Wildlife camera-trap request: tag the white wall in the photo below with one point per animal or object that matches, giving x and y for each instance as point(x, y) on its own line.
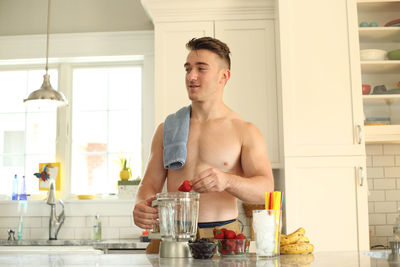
point(18, 17)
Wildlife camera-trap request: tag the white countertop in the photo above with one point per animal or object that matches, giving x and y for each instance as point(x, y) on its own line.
point(318, 259)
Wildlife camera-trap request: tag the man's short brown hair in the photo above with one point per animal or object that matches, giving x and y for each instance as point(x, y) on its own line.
point(212, 44)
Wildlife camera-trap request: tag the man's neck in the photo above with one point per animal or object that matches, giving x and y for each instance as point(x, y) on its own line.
point(204, 111)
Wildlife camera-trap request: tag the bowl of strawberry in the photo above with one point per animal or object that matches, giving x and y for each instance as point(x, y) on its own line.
point(231, 244)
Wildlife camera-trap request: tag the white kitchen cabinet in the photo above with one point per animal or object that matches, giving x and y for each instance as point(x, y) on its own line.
point(383, 72)
point(323, 123)
point(321, 81)
point(328, 197)
point(170, 56)
point(252, 89)
point(250, 34)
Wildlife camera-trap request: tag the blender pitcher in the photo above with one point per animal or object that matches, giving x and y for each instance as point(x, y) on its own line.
point(178, 215)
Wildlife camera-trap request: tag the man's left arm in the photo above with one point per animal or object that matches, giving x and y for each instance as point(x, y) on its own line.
point(257, 173)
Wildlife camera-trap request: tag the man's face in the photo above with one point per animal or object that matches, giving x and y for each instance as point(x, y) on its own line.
point(205, 75)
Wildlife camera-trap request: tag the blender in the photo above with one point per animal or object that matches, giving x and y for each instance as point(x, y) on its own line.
point(178, 215)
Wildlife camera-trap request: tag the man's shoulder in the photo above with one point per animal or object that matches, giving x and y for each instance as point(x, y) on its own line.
point(241, 123)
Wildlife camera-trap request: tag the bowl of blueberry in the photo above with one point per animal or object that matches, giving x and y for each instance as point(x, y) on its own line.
point(202, 248)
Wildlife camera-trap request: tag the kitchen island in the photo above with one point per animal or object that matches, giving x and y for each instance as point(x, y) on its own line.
point(319, 259)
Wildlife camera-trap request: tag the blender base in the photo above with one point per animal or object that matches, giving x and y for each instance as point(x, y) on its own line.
point(174, 249)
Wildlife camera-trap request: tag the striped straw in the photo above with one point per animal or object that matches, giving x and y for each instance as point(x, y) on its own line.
point(273, 201)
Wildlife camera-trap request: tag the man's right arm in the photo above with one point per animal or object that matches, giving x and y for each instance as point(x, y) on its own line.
point(152, 183)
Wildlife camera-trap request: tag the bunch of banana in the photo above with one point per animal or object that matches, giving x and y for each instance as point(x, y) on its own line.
point(296, 243)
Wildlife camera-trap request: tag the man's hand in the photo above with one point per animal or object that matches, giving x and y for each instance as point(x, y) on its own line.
point(210, 180)
point(144, 215)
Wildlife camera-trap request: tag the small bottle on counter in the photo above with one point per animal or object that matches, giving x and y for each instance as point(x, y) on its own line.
point(145, 236)
point(14, 194)
point(96, 228)
point(22, 195)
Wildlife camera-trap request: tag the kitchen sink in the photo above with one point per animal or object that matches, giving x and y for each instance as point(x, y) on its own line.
point(49, 250)
point(127, 246)
point(378, 254)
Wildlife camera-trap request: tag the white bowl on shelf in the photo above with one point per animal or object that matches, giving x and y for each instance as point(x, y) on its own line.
point(372, 54)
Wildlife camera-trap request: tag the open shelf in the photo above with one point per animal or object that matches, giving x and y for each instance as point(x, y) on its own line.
point(377, 5)
point(379, 34)
point(380, 98)
point(380, 67)
point(382, 134)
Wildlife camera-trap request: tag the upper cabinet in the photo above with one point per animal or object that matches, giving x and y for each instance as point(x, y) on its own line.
point(380, 75)
point(248, 28)
point(321, 81)
point(252, 89)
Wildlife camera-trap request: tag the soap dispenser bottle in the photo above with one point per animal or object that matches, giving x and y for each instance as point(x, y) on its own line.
point(97, 228)
point(396, 228)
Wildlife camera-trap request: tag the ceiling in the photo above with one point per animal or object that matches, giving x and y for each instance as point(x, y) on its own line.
point(20, 17)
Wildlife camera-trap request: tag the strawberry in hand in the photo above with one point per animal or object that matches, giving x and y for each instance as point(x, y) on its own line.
point(185, 186)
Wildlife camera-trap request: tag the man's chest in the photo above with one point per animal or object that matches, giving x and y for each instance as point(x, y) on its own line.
point(214, 145)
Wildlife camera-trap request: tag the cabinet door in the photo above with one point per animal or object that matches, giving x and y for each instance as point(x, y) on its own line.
point(170, 56)
point(321, 81)
point(328, 197)
point(252, 89)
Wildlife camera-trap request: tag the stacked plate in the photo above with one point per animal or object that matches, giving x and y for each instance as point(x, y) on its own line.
point(393, 23)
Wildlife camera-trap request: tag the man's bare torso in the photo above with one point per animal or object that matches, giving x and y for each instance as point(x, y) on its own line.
point(212, 144)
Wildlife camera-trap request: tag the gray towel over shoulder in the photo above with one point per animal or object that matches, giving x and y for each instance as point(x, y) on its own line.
point(175, 137)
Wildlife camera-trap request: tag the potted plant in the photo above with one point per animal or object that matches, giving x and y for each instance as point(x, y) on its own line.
point(126, 171)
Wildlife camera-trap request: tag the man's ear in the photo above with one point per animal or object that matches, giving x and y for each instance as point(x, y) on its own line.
point(226, 75)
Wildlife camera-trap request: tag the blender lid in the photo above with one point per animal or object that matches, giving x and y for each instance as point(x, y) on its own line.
point(178, 195)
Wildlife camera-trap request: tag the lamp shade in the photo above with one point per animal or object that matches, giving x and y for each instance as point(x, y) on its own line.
point(46, 92)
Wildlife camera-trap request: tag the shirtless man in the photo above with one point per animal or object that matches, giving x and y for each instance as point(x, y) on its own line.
point(226, 156)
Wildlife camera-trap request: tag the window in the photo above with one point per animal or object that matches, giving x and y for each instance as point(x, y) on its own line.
point(27, 136)
point(105, 114)
point(106, 121)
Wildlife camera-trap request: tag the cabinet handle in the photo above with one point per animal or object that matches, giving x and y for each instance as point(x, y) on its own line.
point(361, 175)
point(359, 134)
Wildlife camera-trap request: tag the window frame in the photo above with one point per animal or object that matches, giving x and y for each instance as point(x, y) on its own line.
point(85, 49)
point(65, 114)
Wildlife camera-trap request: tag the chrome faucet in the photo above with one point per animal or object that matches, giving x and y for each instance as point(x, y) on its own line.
point(55, 222)
point(11, 234)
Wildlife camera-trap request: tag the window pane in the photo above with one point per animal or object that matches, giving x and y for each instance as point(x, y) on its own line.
point(90, 89)
point(41, 134)
point(26, 138)
point(106, 121)
point(11, 150)
point(125, 88)
point(89, 127)
point(14, 82)
point(125, 132)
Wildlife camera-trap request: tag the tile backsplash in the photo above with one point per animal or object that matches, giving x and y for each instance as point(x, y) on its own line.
point(383, 172)
point(116, 217)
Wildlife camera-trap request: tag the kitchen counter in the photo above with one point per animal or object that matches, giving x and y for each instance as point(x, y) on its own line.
point(318, 259)
point(102, 244)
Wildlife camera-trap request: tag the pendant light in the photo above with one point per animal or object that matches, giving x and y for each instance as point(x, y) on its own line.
point(46, 94)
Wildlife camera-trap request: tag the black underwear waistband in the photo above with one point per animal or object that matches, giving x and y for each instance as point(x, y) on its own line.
point(214, 224)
